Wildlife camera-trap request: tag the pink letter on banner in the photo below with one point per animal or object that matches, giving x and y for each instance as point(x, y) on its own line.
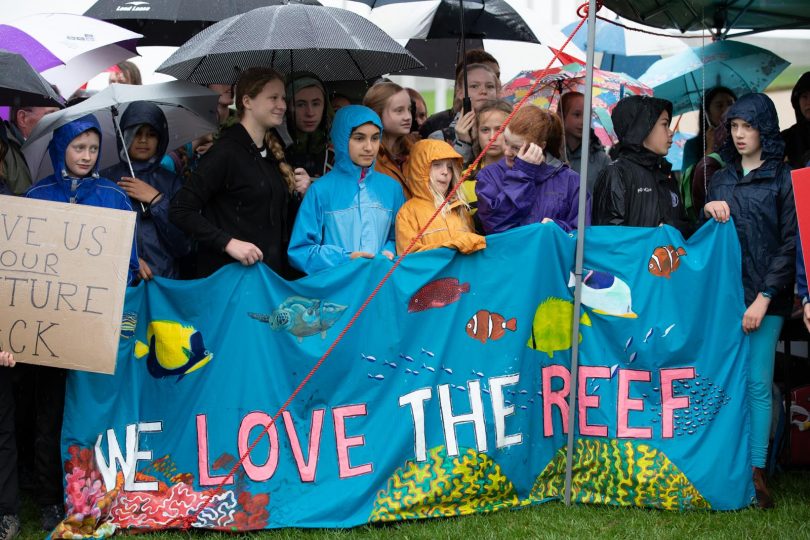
point(306, 468)
point(339, 414)
point(627, 404)
point(555, 397)
point(669, 402)
point(258, 473)
point(587, 401)
point(202, 455)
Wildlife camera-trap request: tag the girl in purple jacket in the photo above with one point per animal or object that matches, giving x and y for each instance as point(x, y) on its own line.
point(530, 184)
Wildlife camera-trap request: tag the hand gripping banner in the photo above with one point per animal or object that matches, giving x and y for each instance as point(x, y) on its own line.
point(447, 397)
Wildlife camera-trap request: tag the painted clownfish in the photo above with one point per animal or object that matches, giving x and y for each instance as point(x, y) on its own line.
point(665, 260)
point(485, 325)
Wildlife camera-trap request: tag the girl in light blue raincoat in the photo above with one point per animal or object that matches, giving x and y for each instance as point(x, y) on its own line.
point(351, 211)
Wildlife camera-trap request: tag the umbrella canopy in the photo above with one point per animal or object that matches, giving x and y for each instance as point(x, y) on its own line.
point(20, 84)
point(720, 16)
point(332, 43)
point(431, 30)
point(608, 89)
point(190, 109)
point(613, 39)
point(79, 47)
point(173, 22)
point(431, 19)
point(684, 78)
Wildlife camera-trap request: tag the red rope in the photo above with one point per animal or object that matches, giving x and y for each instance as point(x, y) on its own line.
point(189, 519)
point(634, 28)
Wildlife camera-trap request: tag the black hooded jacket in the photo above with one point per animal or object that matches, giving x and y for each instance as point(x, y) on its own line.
point(637, 189)
point(797, 136)
point(236, 193)
point(160, 243)
point(761, 204)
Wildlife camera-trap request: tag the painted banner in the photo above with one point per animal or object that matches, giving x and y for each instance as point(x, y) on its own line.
point(801, 195)
point(63, 276)
point(447, 397)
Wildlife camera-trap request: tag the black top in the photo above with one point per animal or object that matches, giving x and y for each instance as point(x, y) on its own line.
point(236, 193)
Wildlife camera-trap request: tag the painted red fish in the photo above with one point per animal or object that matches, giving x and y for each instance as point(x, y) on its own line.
point(485, 325)
point(665, 260)
point(437, 294)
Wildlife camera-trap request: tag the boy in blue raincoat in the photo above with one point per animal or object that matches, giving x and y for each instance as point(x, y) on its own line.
point(74, 151)
point(351, 211)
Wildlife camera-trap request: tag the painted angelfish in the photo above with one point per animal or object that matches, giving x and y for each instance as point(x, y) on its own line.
point(173, 349)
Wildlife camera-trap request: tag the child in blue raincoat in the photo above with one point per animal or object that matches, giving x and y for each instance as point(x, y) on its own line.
point(351, 211)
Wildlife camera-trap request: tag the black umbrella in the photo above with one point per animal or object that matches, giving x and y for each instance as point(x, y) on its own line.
point(440, 32)
point(20, 84)
point(173, 22)
point(334, 44)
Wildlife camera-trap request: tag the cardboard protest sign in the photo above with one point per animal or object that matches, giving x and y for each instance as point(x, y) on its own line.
point(63, 274)
point(801, 194)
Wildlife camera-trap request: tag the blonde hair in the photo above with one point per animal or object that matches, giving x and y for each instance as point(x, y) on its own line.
point(459, 201)
point(251, 82)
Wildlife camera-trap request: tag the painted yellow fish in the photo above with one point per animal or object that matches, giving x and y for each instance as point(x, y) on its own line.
point(173, 349)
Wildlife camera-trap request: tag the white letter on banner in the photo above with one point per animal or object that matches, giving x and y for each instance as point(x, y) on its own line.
point(108, 468)
point(416, 400)
point(476, 417)
point(500, 411)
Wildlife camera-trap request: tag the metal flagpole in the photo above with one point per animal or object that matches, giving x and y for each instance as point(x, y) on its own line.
point(583, 194)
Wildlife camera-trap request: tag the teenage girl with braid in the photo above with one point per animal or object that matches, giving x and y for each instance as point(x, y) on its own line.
point(241, 201)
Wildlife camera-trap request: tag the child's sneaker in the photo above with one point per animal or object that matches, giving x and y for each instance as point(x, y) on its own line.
point(9, 526)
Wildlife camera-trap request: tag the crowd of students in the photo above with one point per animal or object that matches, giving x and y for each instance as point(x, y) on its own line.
point(301, 180)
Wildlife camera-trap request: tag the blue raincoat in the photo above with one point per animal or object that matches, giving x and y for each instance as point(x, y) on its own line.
point(92, 190)
point(762, 206)
point(351, 208)
point(160, 243)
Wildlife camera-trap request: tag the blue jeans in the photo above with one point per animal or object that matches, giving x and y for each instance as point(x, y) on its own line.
point(760, 380)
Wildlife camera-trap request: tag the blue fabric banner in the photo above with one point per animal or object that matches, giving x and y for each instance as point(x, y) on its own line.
point(447, 397)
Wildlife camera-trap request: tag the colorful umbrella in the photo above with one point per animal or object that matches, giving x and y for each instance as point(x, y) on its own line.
point(684, 78)
point(608, 89)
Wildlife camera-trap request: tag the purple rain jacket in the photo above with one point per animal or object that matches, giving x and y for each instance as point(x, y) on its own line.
point(527, 193)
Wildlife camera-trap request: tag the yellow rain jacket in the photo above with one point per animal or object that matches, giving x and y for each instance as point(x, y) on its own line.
point(454, 227)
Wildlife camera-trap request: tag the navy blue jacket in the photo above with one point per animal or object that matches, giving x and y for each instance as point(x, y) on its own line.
point(762, 206)
point(160, 243)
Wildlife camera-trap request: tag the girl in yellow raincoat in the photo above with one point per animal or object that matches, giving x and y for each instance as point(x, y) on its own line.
point(432, 170)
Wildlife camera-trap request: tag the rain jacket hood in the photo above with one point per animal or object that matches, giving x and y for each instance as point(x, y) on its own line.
point(797, 136)
point(61, 139)
point(633, 119)
point(346, 120)
point(803, 85)
point(453, 227)
point(417, 168)
point(137, 114)
point(759, 111)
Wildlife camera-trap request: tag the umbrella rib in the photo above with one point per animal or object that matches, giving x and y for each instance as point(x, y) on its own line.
point(359, 69)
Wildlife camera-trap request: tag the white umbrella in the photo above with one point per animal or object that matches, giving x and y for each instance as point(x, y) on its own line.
point(190, 109)
point(87, 46)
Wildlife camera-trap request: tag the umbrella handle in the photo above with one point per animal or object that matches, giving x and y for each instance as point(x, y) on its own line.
point(114, 113)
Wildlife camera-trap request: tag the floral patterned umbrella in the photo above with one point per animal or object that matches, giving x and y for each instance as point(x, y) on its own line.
point(608, 89)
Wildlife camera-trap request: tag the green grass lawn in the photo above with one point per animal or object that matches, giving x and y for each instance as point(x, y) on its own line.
point(790, 519)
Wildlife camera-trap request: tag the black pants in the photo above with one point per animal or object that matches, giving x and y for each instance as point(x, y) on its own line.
point(9, 494)
point(49, 398)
